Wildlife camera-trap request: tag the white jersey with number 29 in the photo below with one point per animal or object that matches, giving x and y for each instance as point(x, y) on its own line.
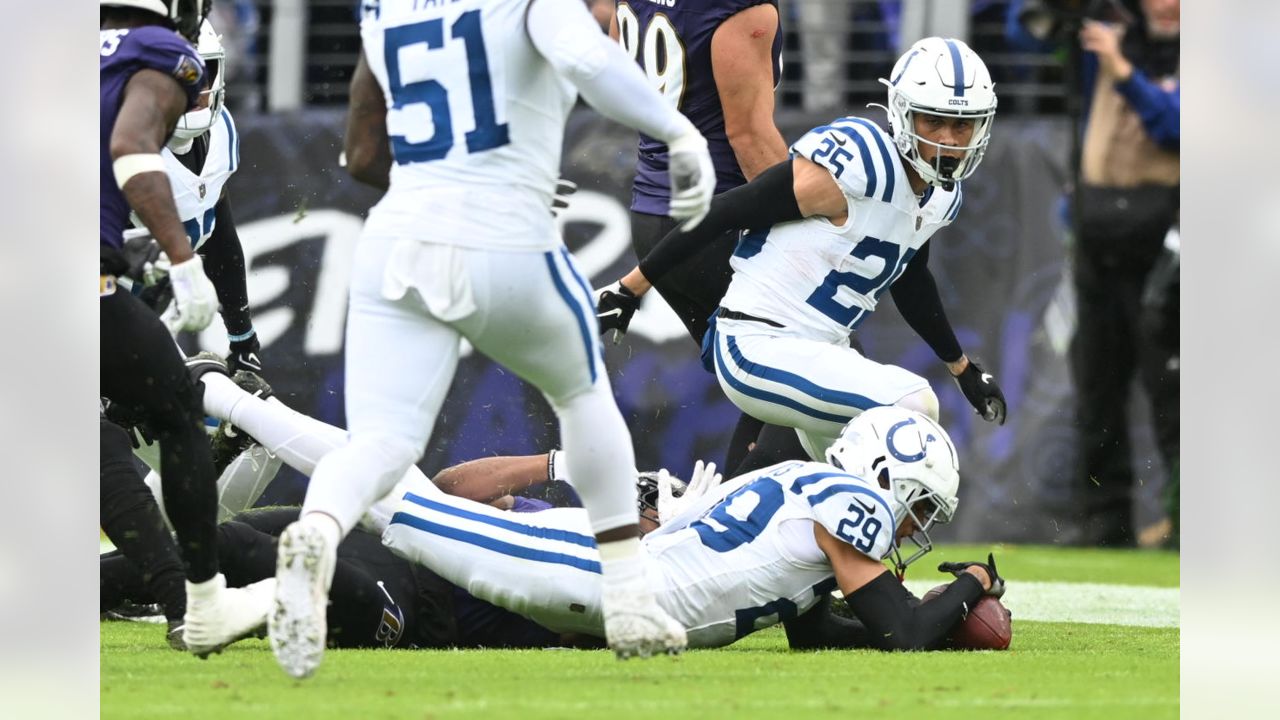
point(475, 117)
point(746, 558)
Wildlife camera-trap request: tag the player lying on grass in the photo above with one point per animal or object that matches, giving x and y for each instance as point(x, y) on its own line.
point(765, 547)
point(891, 476)
point(378, 599)
point(370, 581)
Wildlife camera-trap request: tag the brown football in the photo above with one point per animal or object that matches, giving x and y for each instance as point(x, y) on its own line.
point(988, 626)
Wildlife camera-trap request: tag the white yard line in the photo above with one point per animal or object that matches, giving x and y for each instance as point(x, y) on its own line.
point(1090, 603)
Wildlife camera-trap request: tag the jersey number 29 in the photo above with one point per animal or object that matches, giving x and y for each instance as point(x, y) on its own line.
point(488, 133)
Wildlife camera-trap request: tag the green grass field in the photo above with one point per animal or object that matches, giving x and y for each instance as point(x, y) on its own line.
point(1053, 670)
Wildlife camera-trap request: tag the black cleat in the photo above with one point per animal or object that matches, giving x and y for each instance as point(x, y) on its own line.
point(174, 634)
point(201, 363)
point(253, 384)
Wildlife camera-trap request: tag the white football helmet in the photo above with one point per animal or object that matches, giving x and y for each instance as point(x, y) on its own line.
point(185, 14)
point(940, 76)
point(197, 122)
point(911, 455)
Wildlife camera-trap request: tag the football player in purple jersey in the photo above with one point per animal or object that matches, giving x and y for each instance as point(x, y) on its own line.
point(150, 75)
point(719, 64)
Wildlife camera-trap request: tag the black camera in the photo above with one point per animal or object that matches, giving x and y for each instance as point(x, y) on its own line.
point(1056, 19)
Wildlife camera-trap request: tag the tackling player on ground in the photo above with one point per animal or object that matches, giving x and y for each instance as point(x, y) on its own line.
point(763, 548)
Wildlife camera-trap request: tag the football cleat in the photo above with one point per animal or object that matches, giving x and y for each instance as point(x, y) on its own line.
point(218, 616)
point(253, 384)
point(174, 635)
point(635, 625)
point(206, 362)
point(229, 441)
point(296, 625)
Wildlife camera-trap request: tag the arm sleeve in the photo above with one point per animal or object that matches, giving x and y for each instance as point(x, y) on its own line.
point(820, 628)
point(564, 33)
point(895, 620)
point(224, 263)
point(1159, 109)
point(764, 202)
point(916, 295)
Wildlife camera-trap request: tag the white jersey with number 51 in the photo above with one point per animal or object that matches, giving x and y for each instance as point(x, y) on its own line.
point(821, 280)
point(475, 117)
point(746, 558)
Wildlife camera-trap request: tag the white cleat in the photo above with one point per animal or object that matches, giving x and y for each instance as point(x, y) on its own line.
point(636, 626)
point(218, 616)
point(296, 624)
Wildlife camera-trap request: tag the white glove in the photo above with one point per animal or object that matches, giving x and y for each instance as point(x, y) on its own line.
point(703, 480)
point(693, 178)
point(193, 295)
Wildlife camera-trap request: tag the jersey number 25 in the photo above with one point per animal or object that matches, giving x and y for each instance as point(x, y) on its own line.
point(488, 133)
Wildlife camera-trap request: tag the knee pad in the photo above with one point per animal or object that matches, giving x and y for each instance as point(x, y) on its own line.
point(923, 401)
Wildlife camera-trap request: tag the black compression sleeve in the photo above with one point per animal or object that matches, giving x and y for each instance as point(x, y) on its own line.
point(764, 202)
point(820, 628)
point(916, 295)
point(224, 263)
point(895, 622)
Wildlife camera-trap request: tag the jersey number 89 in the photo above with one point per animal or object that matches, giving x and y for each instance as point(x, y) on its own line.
point(488, 133)
point(663, 60)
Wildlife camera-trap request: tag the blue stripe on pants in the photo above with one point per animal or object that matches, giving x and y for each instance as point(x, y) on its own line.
point(575, 308)
point(817, 392)
point(498, 546)
point(538, 532)
point(771, 397)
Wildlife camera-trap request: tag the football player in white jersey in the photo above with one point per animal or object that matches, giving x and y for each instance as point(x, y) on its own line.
point(764, 548)
point(825, 234)
point(891, 475)
point(458, 109)
point(200, 159)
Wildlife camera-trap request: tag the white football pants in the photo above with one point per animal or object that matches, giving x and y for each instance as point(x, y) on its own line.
point(813, 386)
point(411, 304)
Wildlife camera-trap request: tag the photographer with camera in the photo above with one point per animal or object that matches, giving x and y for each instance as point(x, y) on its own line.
point(1126, 202)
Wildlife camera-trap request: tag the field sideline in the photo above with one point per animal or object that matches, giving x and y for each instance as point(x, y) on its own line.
point(1054, 669)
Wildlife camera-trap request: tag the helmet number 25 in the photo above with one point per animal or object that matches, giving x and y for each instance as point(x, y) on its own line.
point(660, 52)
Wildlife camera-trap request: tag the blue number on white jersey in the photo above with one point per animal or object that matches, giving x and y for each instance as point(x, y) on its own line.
point(741, 516)
point(488, 133)
point(823, 297)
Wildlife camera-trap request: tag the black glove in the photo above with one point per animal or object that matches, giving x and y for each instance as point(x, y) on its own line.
point(982, 392)
point(615, 305)
point(128, 420)
point(997, 583)
point(244, 355)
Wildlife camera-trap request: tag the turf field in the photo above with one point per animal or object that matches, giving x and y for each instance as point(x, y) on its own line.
point(1055, 668)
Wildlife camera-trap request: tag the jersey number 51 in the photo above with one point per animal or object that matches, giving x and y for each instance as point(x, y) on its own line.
point(488, 133)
